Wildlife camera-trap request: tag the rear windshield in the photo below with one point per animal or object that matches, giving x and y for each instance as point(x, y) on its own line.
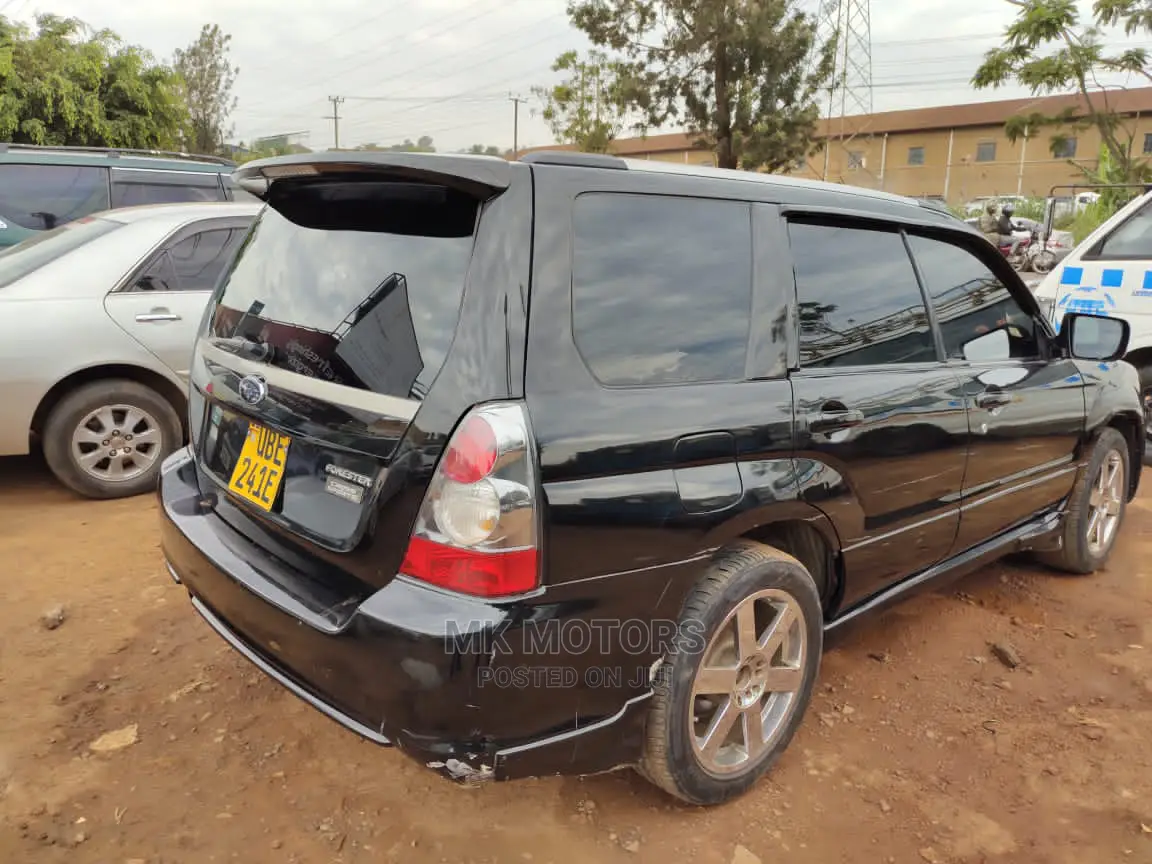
point(39, 249)
point(338, 301)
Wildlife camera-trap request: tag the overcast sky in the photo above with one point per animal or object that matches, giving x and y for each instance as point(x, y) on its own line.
point(445, 68)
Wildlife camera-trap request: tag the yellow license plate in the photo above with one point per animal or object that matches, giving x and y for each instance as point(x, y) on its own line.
point(260, 468)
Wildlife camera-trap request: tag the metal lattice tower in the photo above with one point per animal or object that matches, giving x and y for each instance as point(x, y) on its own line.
point(849, 22)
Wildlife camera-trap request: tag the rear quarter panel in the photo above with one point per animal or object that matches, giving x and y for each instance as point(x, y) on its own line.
point(53, 324)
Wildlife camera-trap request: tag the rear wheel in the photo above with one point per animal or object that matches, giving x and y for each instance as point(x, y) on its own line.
point(1096, 508)
point(107, 439)
point(727, 706)
point(1044, 262)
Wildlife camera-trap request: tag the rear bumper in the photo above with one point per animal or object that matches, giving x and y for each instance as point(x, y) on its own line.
point(390, 671)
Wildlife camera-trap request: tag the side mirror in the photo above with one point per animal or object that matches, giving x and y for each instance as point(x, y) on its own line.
point(993, 345)
point(1094, 337)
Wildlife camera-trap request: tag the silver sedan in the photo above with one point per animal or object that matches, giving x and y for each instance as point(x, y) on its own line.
point(97, 322)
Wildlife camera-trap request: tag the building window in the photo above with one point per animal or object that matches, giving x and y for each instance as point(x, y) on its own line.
point(1147, 143)
point(1065, 148)
point(986, 151)
point(855, 160)
point(915, 155)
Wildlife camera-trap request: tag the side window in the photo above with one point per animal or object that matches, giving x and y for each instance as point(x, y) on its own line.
point(200, 259)
point(193, 264)
point(969, 301)
point(158, 276)
point(858, 299)
point(1132, 238)
point(131, 188)
point(43, 197)
point(661, 288)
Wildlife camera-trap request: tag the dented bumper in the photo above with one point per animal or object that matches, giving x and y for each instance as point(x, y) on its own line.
point(392, 669)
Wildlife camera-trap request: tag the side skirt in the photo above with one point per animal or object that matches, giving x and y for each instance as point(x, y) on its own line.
point(1040, 533)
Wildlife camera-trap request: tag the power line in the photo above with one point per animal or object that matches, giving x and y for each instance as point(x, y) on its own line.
point(509, 79)
point(357, 26)
point(377, 49)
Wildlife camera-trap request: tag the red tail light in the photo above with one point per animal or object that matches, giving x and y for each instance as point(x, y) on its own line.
point(476, 532)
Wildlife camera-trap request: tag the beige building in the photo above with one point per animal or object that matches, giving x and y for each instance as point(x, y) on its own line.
point(958, 152)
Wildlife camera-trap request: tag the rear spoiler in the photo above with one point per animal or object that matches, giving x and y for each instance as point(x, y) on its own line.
point(477, 176)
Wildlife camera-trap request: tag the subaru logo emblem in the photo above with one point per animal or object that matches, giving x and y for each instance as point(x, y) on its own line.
point(252, 389)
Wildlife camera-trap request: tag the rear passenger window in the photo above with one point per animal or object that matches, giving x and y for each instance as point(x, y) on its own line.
point(43, 197)
point(858, 299)
point(970, 300)
point(199, 260)
point(661, 288)
point(131, 188)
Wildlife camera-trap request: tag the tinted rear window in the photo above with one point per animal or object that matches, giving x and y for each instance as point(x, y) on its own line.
point(133, 187)
point(373, 309)
point(40, 249)
point(661, 288)
point(43, 197)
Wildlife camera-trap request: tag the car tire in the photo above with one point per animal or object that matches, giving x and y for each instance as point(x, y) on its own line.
point(88, 451)
point(776, 597)
point(1096, 508)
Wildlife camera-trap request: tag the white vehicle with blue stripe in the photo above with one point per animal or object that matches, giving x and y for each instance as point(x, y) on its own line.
point(1110, 273)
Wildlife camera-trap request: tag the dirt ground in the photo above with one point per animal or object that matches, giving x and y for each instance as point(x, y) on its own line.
point(921, 745)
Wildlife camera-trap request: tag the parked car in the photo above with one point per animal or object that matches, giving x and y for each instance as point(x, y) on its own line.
point(1110, 273)
point(44, 187)
point(571, 463)
point(97, 321)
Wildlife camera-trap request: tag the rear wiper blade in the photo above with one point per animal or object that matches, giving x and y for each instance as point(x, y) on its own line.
point(254, 350)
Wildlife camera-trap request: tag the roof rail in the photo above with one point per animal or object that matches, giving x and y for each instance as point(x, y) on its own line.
point(574, 159)
point(116, 152)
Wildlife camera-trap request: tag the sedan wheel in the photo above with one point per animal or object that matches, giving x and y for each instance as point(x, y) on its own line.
point(107, 439)
point(117, 443)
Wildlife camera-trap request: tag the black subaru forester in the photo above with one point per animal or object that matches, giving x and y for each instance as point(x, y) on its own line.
point(572, 463)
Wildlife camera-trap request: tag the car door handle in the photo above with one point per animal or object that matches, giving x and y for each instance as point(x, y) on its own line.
point(831, 421)
point(993, 399)
point(156, 315)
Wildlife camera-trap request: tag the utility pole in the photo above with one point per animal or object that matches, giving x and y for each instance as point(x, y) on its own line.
point(516, 100)
point(336, 101)
point(849, 22)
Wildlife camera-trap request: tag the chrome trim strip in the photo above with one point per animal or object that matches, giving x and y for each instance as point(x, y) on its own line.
point(325, 391)
point(1000, 493)
point(573, 733)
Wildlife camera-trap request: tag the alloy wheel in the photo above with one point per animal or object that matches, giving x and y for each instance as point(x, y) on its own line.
point(746, 685)
point(1106, 502)
point(116, 443)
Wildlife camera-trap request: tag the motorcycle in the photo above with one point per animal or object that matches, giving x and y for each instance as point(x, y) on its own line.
point(1019, 252)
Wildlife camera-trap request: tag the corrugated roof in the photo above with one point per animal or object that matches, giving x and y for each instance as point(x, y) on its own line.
point(1132, 101)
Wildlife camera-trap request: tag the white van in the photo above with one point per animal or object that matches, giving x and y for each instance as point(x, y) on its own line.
point(1110, 273)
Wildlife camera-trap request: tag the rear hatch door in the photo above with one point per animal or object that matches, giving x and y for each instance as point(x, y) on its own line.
point(323, 340)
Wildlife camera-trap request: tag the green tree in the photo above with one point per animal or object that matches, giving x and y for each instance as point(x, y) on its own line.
point(1048, 48)
point(208, 77)
point(735, 72)
point(481, 150)
point(589, 108)
point(64, 84)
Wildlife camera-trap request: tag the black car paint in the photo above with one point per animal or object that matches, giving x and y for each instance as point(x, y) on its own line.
point(640, 487)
